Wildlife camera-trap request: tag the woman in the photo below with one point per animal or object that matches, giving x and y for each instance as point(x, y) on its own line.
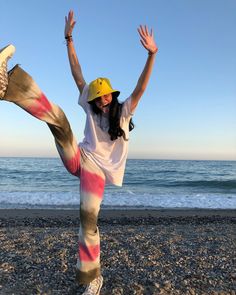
point(98, 160)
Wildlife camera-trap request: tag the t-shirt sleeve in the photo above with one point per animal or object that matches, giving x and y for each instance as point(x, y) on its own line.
point(126, 109)
point(83, 98)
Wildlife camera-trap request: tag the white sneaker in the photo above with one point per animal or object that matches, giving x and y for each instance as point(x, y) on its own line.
point(5, 54)
point(94, 287)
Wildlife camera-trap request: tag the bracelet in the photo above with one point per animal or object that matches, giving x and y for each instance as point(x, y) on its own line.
point(151, 53)
point(69, 39)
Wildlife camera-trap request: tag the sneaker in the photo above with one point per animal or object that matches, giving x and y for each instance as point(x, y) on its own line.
point(5, 54)
point(94, 287)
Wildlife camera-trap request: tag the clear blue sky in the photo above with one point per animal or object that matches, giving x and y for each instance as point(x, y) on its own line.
point(189, 108)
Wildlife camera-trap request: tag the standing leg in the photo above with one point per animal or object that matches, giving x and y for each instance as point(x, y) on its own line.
point(92, 183)
point(24, 92)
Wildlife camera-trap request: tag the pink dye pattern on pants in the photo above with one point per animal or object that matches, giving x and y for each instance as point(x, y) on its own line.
point(88, 252)
point(40, 107)
point(73, 164)
point(92, 183)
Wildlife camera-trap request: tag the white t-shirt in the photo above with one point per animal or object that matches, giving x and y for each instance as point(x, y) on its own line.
point(109, 155)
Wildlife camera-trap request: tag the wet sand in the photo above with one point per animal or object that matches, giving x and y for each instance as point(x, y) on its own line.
point(107, 213)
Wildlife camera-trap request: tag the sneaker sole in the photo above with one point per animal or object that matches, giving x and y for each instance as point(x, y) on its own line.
point(7, 52)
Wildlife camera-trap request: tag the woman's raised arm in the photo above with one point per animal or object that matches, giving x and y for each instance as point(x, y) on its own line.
point(148, 42)
point(73, 59)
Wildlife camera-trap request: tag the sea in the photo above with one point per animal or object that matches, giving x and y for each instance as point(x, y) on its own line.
point(44, 183)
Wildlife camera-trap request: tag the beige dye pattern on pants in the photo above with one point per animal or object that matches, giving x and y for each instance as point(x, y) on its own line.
point(24, 92)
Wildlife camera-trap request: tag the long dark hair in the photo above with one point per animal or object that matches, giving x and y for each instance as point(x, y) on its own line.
point(114, 130)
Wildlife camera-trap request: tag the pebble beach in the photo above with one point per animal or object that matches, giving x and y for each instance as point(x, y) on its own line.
point(142, 251)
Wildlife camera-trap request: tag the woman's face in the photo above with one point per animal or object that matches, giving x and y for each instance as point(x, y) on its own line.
point(103, 102)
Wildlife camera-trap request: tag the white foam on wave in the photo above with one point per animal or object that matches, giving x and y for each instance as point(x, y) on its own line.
point(71, 199)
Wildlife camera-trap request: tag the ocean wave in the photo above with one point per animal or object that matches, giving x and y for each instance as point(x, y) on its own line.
point(222, 184)
point(119, 198)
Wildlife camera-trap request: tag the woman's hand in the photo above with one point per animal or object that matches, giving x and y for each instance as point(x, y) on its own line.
point(69, 23)
point(147, 39)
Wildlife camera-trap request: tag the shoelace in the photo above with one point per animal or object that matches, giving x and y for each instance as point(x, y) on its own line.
point(93, 287)
point(3, 79)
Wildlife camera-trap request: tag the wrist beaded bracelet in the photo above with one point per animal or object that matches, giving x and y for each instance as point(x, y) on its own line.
point(68, 39)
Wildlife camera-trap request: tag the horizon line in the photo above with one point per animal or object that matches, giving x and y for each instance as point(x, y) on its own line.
point(131, 158)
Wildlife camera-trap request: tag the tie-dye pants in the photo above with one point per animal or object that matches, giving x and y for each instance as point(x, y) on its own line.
point(24, 92)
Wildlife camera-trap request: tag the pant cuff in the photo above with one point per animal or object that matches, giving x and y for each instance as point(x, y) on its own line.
point(85, 278)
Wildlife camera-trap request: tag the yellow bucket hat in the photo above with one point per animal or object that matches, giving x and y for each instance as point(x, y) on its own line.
point(99, 87)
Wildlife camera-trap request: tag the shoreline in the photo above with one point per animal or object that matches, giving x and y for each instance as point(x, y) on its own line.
point(118, 213)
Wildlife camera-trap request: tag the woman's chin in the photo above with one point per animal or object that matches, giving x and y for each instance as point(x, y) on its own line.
point(105, 109)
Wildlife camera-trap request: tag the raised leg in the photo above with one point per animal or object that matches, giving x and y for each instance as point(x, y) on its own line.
point(24, 92)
